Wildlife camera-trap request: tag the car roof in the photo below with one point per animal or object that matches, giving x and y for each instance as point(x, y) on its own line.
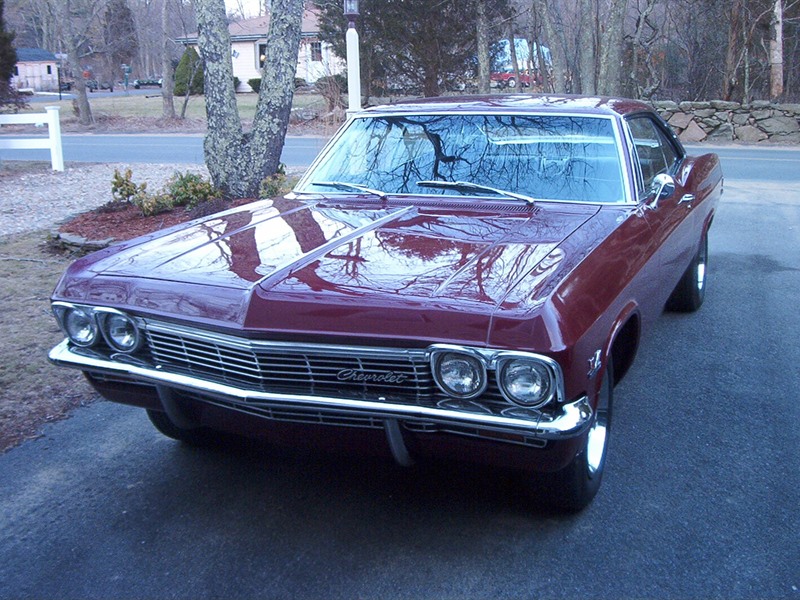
point(505, 103)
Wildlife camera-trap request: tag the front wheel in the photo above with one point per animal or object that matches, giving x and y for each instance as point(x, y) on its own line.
point(200, 436)
point(512, 83)
point(572, 488)
point(690, 292)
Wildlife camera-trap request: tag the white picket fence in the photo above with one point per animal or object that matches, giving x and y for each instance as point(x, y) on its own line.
point(52, 141)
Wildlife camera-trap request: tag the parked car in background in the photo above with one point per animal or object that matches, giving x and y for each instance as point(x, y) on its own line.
point(507, 79)
point(150, 82)
point(457, 278)
point(93, 85)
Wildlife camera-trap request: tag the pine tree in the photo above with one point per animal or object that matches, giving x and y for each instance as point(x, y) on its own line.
point(8, 55)
point(189, 74)
point(8, 59)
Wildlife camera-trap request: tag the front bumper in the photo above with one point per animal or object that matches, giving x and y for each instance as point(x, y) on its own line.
point(571, 419)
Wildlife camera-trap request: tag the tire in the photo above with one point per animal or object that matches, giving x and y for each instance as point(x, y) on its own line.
point(200, 437)
point(572, 489)
point(512, 83)
point(690, 292)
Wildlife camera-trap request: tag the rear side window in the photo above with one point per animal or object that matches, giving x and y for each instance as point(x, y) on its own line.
point(655, 152)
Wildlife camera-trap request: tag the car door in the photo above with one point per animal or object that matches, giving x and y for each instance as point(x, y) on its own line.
point(670, 216)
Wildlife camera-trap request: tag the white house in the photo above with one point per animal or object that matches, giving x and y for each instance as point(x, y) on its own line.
point(249, 47)
point(36, 69)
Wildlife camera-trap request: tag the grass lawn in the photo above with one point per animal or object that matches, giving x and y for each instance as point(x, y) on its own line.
point(149, 106)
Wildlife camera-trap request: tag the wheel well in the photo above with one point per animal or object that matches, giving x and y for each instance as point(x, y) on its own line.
point(623, 350)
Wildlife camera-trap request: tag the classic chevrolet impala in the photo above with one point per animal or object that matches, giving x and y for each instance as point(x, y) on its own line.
point(456, 278)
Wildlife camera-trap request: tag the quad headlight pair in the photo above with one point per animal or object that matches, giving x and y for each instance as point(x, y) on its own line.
point(525, 379)
point(85, 326)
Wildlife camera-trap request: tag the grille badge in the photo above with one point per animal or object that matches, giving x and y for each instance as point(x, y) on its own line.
point(359, 376)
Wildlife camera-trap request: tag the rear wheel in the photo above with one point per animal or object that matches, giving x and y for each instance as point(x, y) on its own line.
point(572, 488)
point(690, 292)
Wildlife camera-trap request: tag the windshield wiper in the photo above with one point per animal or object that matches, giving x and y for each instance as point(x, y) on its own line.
point(345, 186)
point(466, 186)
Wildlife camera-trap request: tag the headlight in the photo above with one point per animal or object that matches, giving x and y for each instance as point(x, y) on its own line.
point(79, 326)
point(120, 332)
point(460, 374)
point(526, 382)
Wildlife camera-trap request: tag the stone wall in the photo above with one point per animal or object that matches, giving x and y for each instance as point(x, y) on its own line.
point(718, 121)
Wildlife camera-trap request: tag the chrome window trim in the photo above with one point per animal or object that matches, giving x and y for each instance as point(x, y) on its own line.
point(617, 128)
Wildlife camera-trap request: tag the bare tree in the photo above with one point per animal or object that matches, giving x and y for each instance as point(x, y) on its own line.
point(776, 51)
point(239, 161)
point(482, 40)
point(167, 76)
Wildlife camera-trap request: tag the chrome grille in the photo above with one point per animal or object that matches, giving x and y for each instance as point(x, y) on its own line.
point(355, 372)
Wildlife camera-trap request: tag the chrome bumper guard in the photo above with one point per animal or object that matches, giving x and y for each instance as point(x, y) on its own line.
point(572, 420)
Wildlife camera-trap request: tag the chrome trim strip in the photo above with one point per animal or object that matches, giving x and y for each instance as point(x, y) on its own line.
point(573, 420)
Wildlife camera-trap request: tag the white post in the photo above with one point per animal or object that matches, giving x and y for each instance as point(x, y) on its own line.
point(353, 70)
point(54, 132)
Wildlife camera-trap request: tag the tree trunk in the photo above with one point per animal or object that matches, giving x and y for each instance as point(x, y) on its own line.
point(732, 52)
point(555, 38)
point(587, 47)
point(238, 162)
point(73, 48)
point(167, 75)
point(482, 36)
point(609, 75)
point(276, 93)
point(776, 52)
point(512, 48)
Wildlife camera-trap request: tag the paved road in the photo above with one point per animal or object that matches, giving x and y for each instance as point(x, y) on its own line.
point(754, 163)
point(700, 497)
point(180, 149)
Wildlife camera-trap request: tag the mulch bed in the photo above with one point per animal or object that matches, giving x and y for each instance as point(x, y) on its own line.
point(128, 222)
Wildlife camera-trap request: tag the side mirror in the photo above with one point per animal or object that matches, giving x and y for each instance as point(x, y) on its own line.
point(663, 186)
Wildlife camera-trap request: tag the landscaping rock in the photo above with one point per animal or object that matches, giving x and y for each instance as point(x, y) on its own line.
point(750, 134)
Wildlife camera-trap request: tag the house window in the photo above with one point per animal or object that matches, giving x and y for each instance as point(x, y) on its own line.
point(16, 71)
point(262, 55)
point(316, 51)
point(49, 70)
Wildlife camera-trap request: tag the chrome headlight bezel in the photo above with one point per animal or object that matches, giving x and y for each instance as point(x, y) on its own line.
point(495, 364)
point(545, 370)
point(106, 318)
point(443, 354)
point(99, 321)
point(67, 313)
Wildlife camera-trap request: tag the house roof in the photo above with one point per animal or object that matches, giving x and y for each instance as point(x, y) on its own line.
point(257, 28)
point(35, 55)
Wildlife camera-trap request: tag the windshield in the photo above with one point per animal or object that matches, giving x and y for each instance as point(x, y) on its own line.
point(539, 156)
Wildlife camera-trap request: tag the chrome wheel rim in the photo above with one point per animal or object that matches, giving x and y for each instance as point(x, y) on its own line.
point(701, 266)
point(598, 434)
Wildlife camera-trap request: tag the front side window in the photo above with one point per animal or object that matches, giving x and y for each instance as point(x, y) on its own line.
point(541, 156)
point(655, 153)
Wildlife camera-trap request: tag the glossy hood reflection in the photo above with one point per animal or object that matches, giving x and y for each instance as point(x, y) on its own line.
point(370, 255)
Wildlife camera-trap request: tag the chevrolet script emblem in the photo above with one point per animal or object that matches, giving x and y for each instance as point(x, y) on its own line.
point(359, 376)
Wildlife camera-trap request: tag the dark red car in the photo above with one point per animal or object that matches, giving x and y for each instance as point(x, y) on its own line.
point(459, 278)
point(507, 79)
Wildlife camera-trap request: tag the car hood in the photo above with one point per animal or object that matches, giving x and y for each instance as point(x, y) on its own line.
point(312, 266)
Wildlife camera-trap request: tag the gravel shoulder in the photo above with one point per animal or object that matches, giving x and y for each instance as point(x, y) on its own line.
point(33, 201)
point(32, 196)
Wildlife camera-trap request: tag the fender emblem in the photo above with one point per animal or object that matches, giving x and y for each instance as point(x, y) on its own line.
point(594, 364)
